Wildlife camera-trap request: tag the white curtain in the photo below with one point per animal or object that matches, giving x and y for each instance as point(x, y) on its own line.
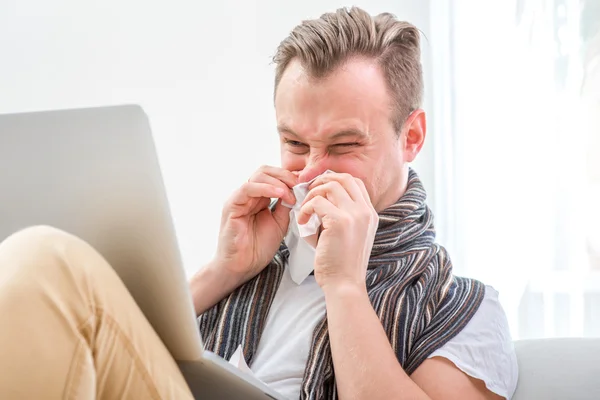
point(516, 139)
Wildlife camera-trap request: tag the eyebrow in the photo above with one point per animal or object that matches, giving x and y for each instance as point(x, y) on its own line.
point(349, 132)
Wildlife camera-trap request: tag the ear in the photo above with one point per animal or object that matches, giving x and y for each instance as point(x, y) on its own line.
point(413, 134)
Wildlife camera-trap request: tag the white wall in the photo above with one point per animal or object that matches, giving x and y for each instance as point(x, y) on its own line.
point(201, 70)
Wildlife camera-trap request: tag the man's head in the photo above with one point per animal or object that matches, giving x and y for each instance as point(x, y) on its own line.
point(348, 90)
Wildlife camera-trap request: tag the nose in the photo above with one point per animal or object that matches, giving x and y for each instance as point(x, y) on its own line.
point(314, 168)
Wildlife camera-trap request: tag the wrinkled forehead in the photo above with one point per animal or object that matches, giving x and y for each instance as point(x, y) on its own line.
point(352, 98)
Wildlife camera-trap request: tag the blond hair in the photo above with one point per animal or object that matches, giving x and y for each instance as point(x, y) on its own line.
point(324, 44)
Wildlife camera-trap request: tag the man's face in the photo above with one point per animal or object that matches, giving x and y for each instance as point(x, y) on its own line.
point(344, 123)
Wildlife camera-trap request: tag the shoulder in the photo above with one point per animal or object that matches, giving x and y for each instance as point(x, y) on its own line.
point(484, 349)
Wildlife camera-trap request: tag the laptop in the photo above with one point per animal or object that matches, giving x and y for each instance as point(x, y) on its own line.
point(95, 173)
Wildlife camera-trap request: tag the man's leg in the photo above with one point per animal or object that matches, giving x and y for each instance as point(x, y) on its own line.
point(70, 329)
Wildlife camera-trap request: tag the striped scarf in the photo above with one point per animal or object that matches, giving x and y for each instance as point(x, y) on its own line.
point(420, 304)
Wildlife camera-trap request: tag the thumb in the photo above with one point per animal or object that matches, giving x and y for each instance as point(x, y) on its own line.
point(281, 214)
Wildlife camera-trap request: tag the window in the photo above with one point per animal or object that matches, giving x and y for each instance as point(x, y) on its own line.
point(524, 128)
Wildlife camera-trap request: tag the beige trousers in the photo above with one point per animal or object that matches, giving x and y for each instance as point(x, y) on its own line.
point(70, 329)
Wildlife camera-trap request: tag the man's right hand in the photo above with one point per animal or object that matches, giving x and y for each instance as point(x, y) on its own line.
point(250, 233)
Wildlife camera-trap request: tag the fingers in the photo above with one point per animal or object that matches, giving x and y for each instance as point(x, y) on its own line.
point(334, 197)
point(282, 216)
point(353, 186)
point(266, 183)
point(277, 177)
point(251, 190)
point(332, 191)
point(288, 194)
point(318, 205)
point(285, 176)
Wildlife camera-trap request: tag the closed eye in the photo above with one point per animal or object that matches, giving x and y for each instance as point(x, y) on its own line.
point(346, 144)
point(296, 147)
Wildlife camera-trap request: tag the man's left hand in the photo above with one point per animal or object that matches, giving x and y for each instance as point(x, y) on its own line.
point(349, 223)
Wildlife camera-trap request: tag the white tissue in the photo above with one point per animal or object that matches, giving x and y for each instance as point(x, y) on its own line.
point(299, 237)
point(313, 224)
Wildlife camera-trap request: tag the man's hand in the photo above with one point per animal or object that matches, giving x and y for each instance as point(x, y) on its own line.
point(357, 338)
point(349, 223)
point(250, 233)
point(249, 236)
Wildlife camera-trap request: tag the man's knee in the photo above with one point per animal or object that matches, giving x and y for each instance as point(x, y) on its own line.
point(35, 237)
point(49, 248)
point(39, 250)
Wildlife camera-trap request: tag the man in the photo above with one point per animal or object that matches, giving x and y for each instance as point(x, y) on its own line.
point(382, 316)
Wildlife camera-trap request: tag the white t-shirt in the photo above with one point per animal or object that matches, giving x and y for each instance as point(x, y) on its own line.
point(483, 349)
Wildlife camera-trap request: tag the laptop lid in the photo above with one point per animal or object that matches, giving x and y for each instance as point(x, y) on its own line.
point(95, 173)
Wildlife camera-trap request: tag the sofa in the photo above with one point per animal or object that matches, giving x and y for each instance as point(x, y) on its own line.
point(558, 369)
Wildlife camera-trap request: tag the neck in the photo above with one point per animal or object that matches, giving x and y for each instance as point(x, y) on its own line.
point(405, 225)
